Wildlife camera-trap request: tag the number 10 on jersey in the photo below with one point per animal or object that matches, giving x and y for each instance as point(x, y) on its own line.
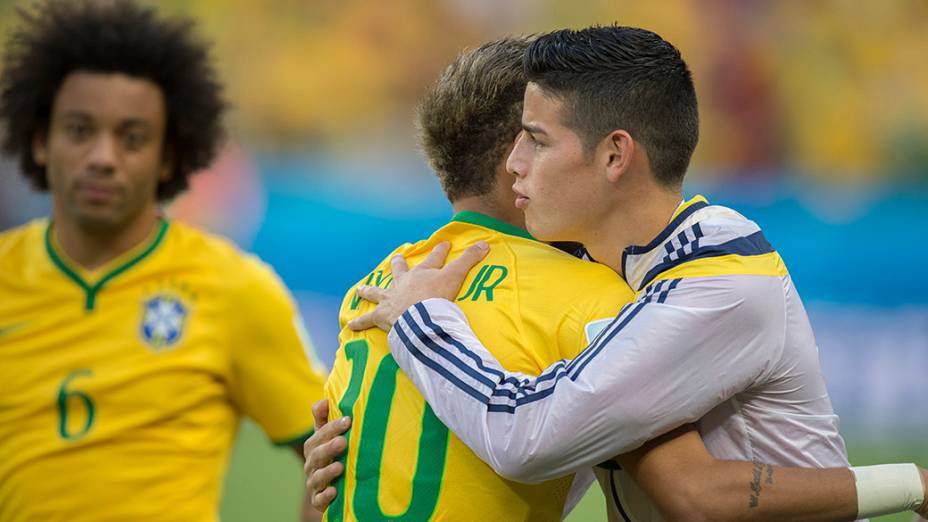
point(432, 450)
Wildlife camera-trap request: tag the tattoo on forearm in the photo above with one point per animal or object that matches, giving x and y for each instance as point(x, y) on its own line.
point(757, 472)
point(755, 485)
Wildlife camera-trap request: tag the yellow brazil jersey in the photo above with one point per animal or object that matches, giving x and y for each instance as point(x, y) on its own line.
point(121, 389)
point(402, 463)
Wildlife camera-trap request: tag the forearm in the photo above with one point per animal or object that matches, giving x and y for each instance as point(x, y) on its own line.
point(761, 492)
point(728, 490)
point(686, 483)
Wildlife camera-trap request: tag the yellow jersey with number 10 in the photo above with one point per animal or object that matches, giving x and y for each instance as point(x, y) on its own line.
point(121, 389)
point(402, 463)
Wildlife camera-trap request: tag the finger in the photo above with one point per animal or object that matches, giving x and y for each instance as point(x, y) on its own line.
point(325, 454)
point(323, 478)
point(314, 441)
point(320, 414)
point(385, 322)
point(322, 500)
point(318, 449)
point(470, 257)
point(328, 432)
point(379, 318)
point(372, 293)
point(436, 258)
point(321, 455)
point(362, 322)
point(398, 266)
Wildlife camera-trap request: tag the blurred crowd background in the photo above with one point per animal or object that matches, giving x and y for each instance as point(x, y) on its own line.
point(814, 123)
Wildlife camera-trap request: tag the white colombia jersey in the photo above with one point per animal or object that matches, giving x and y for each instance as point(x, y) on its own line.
point(717, 336)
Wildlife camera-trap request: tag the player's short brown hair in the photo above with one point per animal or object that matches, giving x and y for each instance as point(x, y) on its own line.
point(58, 37)
point(471, 115)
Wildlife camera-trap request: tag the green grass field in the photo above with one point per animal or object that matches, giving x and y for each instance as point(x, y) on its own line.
point(265, 483)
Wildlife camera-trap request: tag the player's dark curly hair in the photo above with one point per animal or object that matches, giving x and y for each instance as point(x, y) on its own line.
point(58, 37)
point(622, 78)
point(472, 114)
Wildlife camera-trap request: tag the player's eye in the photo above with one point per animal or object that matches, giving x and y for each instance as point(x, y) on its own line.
point(134, 139)
point(77, 131)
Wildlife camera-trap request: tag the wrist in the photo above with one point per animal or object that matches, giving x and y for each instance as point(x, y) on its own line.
point(923, 509)
point(888, 488)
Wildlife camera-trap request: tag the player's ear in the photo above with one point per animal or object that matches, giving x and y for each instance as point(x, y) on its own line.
point(618, 147)
point(40, 148)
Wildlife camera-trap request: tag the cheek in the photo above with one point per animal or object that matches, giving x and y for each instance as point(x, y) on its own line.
point(61, 165)
point(557, 177)
point(143, 178)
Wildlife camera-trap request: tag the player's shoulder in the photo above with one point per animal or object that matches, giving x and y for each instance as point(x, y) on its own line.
point(458, 234)
point(18, 243)
point(743, 298)
point(534, 257)
point(380, 275)
point(240, 271)
point(724, 222)
point(200, 244)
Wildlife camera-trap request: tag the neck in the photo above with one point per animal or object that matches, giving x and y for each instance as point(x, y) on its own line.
point(92, 247)
point(636, 220)
point(488, 207)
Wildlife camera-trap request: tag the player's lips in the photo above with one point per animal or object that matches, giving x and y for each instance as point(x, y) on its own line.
point(521, 199)
point(96, 192)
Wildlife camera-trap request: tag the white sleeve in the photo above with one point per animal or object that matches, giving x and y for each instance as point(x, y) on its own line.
point(665, 361)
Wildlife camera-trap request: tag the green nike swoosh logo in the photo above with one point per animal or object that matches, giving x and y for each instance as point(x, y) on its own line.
point(5, 330)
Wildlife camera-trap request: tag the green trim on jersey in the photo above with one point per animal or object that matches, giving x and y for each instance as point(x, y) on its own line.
point(483, 220)
point(93, 290)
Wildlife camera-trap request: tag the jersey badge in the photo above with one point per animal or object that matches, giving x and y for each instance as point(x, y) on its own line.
point(163, 319)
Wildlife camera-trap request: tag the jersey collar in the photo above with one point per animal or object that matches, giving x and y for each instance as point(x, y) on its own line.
point(112, 269)
point(639, 263)
point(483, 220)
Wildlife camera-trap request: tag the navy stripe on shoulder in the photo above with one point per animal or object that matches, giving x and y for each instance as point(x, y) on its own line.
point(665, 293)
point(752, 245)
point(665, 234)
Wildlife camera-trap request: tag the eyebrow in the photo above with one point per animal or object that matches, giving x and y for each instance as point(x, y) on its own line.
point(134, 122)
point(534, 129)
point(76, 115)
point(128, 122)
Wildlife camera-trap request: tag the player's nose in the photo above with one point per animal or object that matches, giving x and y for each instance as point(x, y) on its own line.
point(515, 163)
point(103, 152)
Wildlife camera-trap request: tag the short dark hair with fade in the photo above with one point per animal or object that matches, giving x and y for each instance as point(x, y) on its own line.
point(59, 37)
point(626, 78)
point(471, 115)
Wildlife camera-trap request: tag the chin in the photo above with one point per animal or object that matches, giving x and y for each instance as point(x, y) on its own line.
point(99, 219)
point(545, 232)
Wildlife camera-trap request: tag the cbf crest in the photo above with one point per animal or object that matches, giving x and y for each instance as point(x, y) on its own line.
point(163, 320)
